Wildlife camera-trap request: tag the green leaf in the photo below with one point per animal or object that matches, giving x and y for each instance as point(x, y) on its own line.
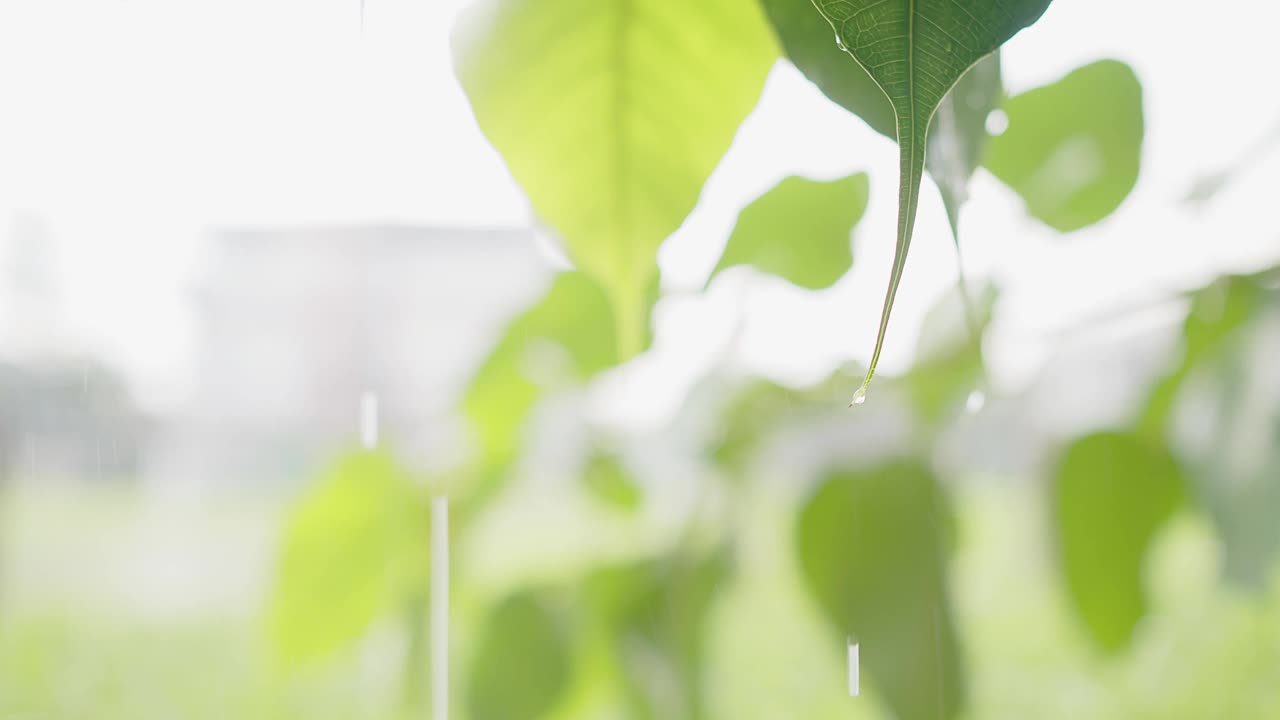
point(522, 663)
point(353, 548)
point(1073, 147)
point(916, 50)
point(1111, 494)
point(572, 324)
point(610, 482)
point(872, 547)
point(612, 114)
point(957, 137)
point(656, 614)
point(799, 230)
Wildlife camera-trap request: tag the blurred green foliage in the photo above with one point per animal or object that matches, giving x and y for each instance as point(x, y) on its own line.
point(799, 230)
point(1111, 493)
point(612, 116)
point(873, 546)
point(353, 548)
point(1073, 148)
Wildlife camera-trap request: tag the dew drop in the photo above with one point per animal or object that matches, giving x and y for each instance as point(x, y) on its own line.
point(997, 122)
point(859, 396)
point(975, 402)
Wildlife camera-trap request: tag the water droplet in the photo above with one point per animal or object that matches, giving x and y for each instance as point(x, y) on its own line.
point(975, 402)
point(859, 396)
point(997, 122)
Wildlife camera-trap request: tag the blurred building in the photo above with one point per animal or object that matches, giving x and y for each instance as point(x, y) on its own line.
point(293, 325)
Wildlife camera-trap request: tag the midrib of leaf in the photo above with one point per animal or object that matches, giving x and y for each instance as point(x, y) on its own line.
point(910, 172)
point(626, 295)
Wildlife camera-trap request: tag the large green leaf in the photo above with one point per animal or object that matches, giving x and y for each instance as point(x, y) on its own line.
point(916, 50)
point(612, 114)
point(799, 230)
point(958, 135)
point(522, 663)
point(1073, 147)
point(353, 548)
point(1111, 493)
point(872, 547)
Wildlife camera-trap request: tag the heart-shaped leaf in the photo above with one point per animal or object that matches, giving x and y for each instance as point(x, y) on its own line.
point(1073, 148)
point(1111, 493)
point(872, 547)
point(612, 114)
point(799, 230)
point(916, 50)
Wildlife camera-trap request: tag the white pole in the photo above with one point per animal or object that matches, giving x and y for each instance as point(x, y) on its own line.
point(853, 668)
point(440, 607)
point(368, 420)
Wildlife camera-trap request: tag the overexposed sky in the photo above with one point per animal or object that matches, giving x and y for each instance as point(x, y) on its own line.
point(132, 125)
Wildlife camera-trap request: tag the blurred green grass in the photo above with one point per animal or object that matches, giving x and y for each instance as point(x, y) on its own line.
point(69, 650)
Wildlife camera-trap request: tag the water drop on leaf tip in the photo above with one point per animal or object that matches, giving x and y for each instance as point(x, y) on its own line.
point(859, 396)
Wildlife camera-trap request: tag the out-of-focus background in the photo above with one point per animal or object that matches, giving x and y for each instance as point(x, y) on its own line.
point(223, 224)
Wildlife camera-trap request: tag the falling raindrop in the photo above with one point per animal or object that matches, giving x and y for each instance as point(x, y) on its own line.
point(975, 402)
point(997, 122)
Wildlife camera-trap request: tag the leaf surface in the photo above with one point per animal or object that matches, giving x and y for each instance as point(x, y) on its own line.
point(1111, 493)
point(872, 547)
point(916, 51)
point(799, 230)
point(1073, 148)
point(611, 114)
point(351, 551)
point(522, 664)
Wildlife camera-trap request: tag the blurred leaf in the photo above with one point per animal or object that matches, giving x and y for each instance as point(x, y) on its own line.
point(958, 134)
point(656, 614)
point(949, 365)
point(1217, 311)
point(872, 547)
point(1232, 445)
point(609, 481)
point(522, 663)
point(1111, 493)
point(1073, 147)
point(799, 230)
point(611, 115)
point(571, 325)
point(354, 547)
point(916, 52)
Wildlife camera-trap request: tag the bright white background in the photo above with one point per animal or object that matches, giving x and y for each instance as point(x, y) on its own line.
point(132, 126)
